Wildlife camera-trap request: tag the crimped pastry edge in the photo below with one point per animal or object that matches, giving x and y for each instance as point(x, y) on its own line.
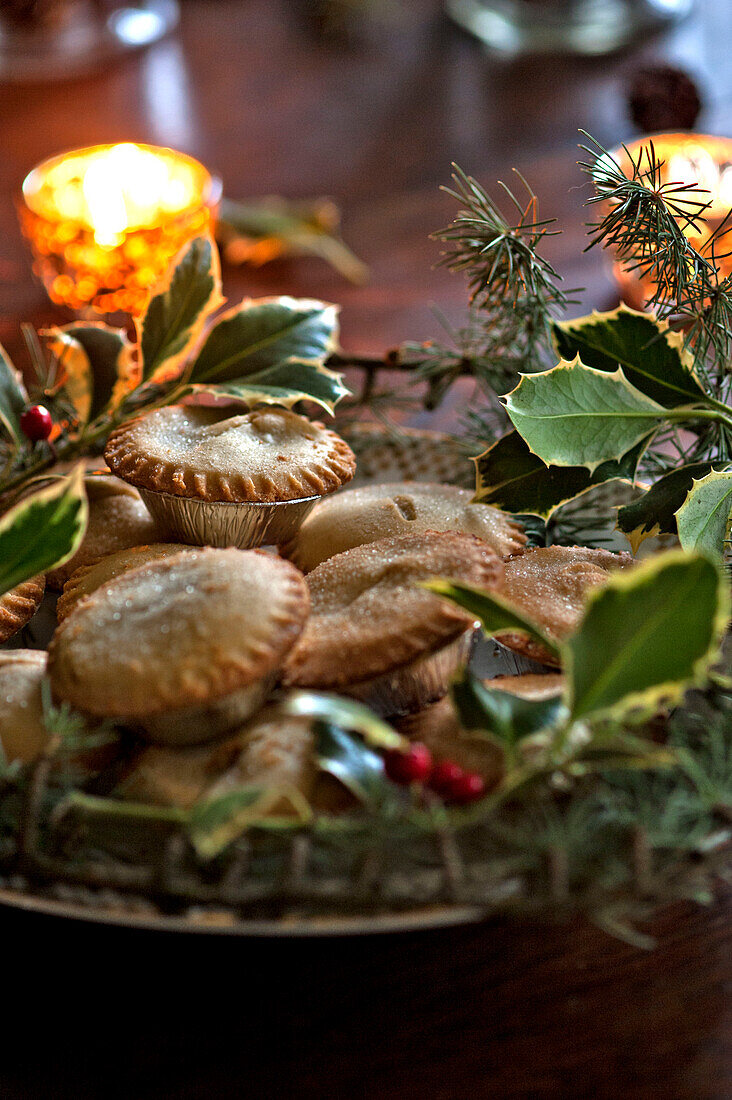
point(323, 477)
point(19, 605)
point(215, 681)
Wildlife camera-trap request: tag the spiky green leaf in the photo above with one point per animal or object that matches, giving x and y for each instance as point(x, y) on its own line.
point(110, 356)
point(655, 512)
point(653, 358)
point(177, 310)
point(647, 635)
point(43, 530)
point(509, 476)
point(283, 384)
point(496, 616)
point(573, 415)
point(702, 518)
point(264, 333)
point(13, 399)
point(508, 717)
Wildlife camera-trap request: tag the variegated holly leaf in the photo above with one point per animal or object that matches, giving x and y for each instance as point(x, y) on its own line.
point(345, 756)
point(42, 531)
point(346, 714)
point(496, 616)
point(13, 399)
point(702, 518)
point(257, 232)
point(653, 358)
point(215, 823)
point(655, 512)
point(284, 384)
point(113, 370)
point(75, 379)
point(510, 477)
point(646, 636)
point(508, 718)
point(573, 415)
point(177, 310)
point(263, 333)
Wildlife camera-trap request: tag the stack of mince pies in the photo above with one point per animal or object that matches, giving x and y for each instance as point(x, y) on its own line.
point(177, 627)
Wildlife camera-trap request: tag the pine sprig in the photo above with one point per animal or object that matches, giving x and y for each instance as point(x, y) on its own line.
point(513, 287)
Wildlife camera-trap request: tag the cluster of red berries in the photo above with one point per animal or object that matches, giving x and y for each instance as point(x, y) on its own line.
point(447, 778)
point(36, 423)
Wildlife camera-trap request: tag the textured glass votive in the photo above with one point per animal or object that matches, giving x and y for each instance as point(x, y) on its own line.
point(105, 222)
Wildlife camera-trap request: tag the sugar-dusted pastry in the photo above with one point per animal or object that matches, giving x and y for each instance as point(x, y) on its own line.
point(369, 512)
point(376, 634)
point(23, 734)
point(89, 578)
point(550, 584)
point(213, 476)
point(117, 520)
point(186, 647)
point(19, 605)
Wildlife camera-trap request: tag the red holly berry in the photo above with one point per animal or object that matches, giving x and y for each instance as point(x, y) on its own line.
point(468, 788)
point(412, 766)
point(444, 775)
point(36, 423)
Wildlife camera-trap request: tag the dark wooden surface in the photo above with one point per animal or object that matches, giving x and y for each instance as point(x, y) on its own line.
point(491, 1011)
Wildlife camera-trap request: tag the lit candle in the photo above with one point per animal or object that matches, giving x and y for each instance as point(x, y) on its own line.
point(105, 222)
point(699, 160)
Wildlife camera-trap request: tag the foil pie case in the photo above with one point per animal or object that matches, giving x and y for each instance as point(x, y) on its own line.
point(220, 523)
point(414, 686)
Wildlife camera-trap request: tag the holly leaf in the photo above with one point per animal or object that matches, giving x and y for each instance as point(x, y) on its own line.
point(495, 615)
point(653, 358)
point(112, 368)
point(702, 518)
point(508, 717)
point(13, 399)
point(263, 333)
point(257, 232)
point(510, 477)
point(42, 531)
point(573, 415)
point(354, 764)
point(647, 635)
point(177, 310)
point(285, 384)
point(346, 714)
point(655, 512)
point(215, 823)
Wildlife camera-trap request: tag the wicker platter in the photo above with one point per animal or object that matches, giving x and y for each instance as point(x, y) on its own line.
point(159, 895)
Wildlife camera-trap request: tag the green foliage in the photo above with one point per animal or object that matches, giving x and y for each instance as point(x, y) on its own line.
point(653, 359)
point(702, 518)
point(178, 308)
point(13, 399)
point(258, 335)
point(346, 715)
point(214, 823)
point(574, 415)
point(655, 512)
point(354, 764)
point(283, 384)
point(496, 615)
point(42, 531)
point(508, 717)
point(511, 477)
point(109, 355)
point(646, 636)
point(255, 233)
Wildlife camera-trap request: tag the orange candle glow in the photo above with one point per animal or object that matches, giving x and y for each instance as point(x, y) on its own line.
point(105, 222)
point(699, 160)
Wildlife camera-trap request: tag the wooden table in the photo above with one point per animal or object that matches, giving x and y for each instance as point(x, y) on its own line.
point(488, 1011)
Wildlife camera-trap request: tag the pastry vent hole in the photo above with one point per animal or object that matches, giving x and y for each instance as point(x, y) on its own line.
point(406, 507)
